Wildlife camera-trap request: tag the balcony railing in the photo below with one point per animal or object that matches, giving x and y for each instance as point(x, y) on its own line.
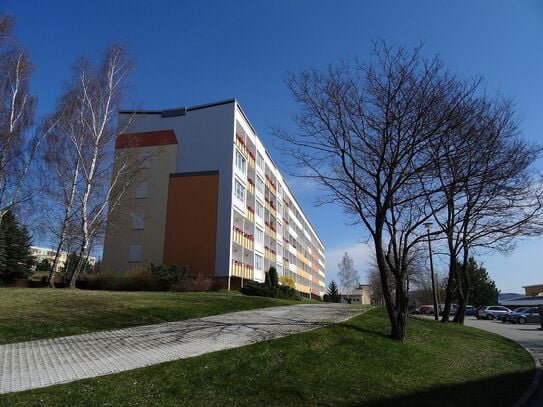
point(250, 214)
point(243, 239)
point(242, 270)
point(250, 186)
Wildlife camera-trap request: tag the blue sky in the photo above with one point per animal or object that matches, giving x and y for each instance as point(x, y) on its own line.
point(189, 53)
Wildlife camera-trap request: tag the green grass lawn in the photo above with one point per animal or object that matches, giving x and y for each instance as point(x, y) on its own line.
point(353, 363)
point(36, 313)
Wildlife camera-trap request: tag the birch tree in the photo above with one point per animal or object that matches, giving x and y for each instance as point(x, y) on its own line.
point(17, 149)
point(348, 276)
point(97, 93)
point(63, 164)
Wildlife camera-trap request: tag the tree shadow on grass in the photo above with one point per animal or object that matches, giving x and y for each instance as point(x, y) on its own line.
point(503, 390)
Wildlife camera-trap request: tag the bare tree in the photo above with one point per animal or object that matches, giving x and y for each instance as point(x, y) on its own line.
point(348, 276)
point(364, 135)
point(63, 163)
point(491, 195)
point(416, 277)
point(17, 150)
point(88, 110)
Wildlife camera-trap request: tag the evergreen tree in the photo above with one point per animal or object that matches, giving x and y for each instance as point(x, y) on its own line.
point(483, 289)
point(333, 292)
point(44, 265)
point(274, 279)
point(17, 260)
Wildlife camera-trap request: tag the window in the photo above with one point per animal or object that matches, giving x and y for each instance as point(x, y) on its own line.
point(145, 160)
point(279, 229)
point(259, 160)
point(259, 263)
point(279, 270)
point(279, 189)
point(259, 184)
point(138, 221)
point(259, 210)
point(259, 236)
point(141, 190)
point(134, 253)
point(279, 250)
point(241, 163)
point(279, 209)
point(239, 190)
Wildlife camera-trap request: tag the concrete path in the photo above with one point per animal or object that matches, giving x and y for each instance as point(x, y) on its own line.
point(30, 365)
point(529, 336)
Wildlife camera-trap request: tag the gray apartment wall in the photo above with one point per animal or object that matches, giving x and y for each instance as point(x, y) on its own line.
point(205, 142)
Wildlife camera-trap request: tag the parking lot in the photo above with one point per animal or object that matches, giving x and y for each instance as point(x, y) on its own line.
point(528, 335)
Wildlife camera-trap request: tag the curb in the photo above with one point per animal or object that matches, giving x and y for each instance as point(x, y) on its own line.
point(525, 398)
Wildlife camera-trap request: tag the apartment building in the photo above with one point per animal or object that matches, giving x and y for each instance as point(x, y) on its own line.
point(43, 253)
point(209, 197)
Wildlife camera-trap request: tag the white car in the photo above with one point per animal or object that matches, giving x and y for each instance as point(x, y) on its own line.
point(492, 311)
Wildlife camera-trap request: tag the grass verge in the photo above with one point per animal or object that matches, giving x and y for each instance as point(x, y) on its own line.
point(35, 313)
point(353, 363)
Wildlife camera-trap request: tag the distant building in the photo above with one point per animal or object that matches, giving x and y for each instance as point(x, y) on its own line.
point(42, 253)
point(533, 290)
point(360, 295)
point(533, 297)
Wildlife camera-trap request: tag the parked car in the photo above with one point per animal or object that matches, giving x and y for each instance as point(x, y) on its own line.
point(470, 310)
point(477, 310)
point(503, 317)
point(426, 310)
point(454, 308)
point(492, 311)
point(528, 315)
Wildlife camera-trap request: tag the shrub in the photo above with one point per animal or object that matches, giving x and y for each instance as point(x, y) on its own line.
point(262, 290)
point(168, 276)
point(286, 280)
point(272, 275)
point(138, 279)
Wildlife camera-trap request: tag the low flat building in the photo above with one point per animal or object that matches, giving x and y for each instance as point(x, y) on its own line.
point(533, 290)
point(360, 295)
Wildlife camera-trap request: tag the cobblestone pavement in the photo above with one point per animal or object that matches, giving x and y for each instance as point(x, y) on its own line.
point(29, 365)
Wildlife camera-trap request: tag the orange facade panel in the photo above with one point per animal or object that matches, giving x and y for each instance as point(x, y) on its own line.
point(145, 139)
point(191, 222)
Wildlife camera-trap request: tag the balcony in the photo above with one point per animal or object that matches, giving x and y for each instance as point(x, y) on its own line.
point(243, 239)
point(242, 270)
point(270, 230)
point(250, 186)
point(271, 185)
point(270, 206)
point(250, 214)
point(269, 254)
point(240, 143)
point(251, 159)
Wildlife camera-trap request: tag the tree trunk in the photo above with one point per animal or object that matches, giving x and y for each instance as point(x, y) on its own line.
point(51, 278)
point(464, 297)
point(79, 266)
point(449, 290)
point(397, 314)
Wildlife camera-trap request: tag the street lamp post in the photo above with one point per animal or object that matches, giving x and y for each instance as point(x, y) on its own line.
point(434, 291)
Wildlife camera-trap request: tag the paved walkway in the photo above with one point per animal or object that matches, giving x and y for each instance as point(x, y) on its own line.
point(529, 336)
point(30, 365)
